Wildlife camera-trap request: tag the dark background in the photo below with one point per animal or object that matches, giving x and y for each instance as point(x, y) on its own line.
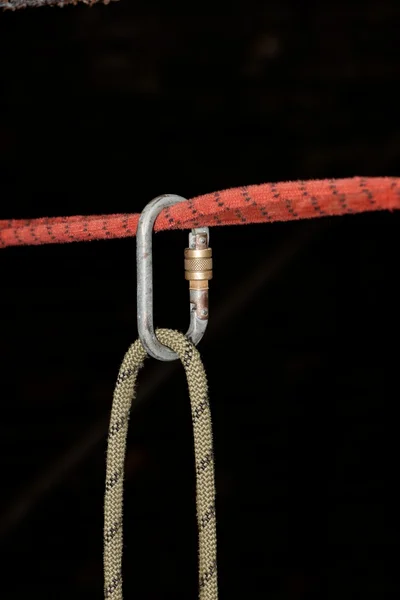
point(102, 109)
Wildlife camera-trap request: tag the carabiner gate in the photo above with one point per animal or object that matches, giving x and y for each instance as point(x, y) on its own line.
point(198, 271)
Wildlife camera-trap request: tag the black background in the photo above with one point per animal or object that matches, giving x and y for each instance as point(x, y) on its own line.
point(102, 109)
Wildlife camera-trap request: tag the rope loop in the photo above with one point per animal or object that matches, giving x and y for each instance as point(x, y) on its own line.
point(125, 391)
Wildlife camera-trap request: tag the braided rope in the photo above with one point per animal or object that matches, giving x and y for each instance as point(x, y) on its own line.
point(16, 4)
point(265, 203)
point(203, 448)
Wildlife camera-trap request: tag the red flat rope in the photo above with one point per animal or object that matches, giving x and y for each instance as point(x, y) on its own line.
point(253, 204)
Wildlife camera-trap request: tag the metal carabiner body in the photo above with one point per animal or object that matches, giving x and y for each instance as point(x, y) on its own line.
point(197, 257)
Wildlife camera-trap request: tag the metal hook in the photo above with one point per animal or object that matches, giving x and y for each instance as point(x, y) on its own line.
point(198, 270)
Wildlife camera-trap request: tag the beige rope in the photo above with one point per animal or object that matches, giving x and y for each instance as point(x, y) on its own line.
point(203, 449)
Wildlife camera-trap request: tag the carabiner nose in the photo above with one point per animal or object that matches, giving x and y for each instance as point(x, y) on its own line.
point(198, 270)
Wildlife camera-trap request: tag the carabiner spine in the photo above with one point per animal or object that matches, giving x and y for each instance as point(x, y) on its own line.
point(198, 271)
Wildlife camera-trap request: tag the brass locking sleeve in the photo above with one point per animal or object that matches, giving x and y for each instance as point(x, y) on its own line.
point(198, 267)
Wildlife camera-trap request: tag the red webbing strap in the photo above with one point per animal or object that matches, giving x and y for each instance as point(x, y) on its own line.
point(252, 204)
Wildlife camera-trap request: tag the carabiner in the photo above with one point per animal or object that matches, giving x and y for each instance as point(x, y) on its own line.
point(198, 271)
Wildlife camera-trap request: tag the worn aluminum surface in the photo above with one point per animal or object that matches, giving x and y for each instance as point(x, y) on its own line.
point(144, 266)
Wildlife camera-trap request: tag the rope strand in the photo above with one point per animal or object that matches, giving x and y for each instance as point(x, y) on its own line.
point(124, 393)
point(265, 203)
